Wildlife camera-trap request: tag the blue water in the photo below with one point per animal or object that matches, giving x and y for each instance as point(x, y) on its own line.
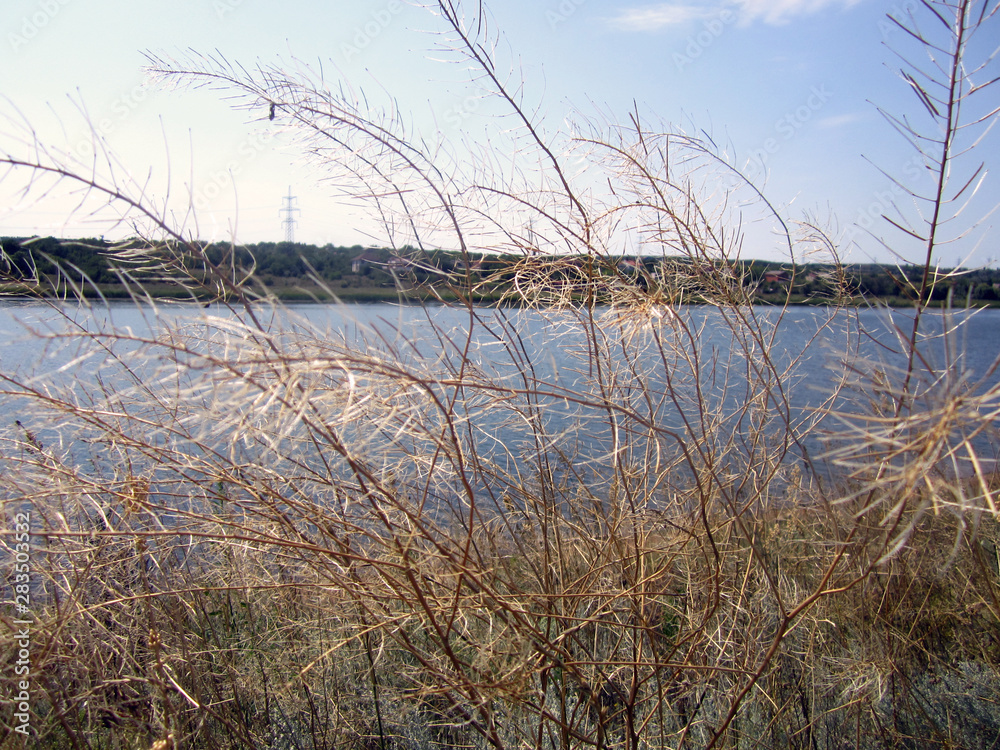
point(552, 401)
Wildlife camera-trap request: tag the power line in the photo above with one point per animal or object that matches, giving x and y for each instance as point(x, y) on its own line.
point(288, 211)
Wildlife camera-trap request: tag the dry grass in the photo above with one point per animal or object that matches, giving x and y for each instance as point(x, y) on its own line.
point(250, 531)
point(652, 632)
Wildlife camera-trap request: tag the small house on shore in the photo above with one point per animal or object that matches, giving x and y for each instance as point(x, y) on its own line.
point(777, 277)
point(370, 257)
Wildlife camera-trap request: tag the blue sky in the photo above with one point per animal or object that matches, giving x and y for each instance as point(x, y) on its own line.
point(788, 88)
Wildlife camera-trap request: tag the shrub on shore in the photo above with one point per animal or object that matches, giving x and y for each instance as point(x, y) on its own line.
point(251, 531)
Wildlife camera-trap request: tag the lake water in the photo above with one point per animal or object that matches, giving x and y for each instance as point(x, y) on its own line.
point(87, 353)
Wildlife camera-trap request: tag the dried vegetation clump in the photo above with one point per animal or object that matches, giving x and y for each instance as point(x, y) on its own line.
point(597, 517)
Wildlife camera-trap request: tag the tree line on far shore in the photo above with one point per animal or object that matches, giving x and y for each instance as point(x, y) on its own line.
point(30, 264)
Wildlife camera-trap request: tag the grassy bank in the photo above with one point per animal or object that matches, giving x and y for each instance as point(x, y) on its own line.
point(255, 531)
point(650, 629)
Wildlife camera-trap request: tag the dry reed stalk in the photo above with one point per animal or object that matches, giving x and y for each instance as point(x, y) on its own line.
point(259, 532)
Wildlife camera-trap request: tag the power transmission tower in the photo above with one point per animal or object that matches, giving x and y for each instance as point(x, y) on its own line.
point(288, 211)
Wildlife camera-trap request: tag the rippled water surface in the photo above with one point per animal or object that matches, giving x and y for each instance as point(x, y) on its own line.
point(96, 349)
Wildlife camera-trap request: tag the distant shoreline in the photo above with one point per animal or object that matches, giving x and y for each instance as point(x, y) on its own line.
point(157, 293)
point(294, 272)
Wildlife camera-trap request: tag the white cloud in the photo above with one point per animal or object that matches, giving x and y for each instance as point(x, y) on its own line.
point(662, 15)
point(655, 17)
point(840, 121)
point(781, 11)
